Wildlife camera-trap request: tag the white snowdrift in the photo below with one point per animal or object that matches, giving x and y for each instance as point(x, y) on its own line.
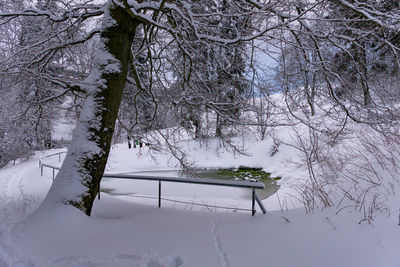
point(128, 231)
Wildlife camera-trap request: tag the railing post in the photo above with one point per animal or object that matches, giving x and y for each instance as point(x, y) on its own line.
point(260, 204)
point(253, 211)
point(41, 170)
point(59, 157)
point(159, 193)
point(53, 174)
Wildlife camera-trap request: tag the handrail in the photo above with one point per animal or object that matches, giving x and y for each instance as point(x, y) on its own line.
point(189, 180)
point(47, 156)
point(58, 153)
point(205, 181)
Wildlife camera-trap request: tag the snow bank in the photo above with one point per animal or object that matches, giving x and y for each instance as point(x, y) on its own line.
point(122, 233)
point(130, 231)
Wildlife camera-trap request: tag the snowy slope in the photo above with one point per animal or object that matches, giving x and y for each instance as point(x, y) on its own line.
point(127, 231)
point(127, 234)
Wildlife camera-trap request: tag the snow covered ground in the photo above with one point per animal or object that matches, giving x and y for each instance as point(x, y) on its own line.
point(132, 231)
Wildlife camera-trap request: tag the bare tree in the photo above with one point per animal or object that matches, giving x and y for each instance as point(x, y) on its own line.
point(191, 27)
point(78, 180)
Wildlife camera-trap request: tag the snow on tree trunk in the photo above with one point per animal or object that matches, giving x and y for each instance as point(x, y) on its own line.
point(78, 181)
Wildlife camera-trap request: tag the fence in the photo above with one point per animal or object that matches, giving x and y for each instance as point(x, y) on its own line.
point(204, 181)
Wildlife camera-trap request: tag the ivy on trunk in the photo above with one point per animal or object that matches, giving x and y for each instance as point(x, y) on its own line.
point(78, 181)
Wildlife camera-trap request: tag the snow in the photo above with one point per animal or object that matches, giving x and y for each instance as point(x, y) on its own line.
point(133, 231)
point(58, 130)
point(128, 229)
point(70, 187)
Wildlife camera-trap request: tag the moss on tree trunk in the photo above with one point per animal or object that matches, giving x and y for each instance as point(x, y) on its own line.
point(78, 181)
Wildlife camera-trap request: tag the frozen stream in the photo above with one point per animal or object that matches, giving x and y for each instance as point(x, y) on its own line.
point(191, 191)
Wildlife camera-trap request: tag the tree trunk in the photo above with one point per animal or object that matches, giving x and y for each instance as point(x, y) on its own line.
point(197, 128)
point(310, 92)
point(218, 126)
point(78, 181)
point(364, 74)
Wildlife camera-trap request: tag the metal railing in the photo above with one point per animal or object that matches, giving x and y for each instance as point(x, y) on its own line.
point(204, 181)
point(54, 154)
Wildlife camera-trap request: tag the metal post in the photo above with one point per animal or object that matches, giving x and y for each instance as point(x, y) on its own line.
point(53, 174)
point(159, 193)
point(260, 204)
point(59, 157)
point(41, 170)
point(253, 211)
point(98, 194)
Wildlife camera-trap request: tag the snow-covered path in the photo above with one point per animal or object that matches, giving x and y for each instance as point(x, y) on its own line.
point(13, 207)
point(14, 201)
point(20, 194)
